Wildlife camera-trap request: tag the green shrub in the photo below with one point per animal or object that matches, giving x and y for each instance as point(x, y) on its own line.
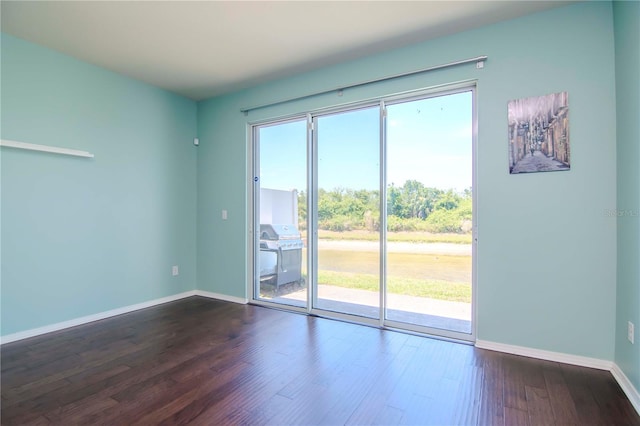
point(340, 224)
point(397, 224)
point(411, 208)
point(455, 220)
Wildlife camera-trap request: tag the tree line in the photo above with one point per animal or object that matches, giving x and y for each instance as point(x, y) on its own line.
point(410, 207)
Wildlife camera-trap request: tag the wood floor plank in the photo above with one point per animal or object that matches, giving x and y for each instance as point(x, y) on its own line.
point(515, 417)
point(610, 397)
point(466, 409)
point(539, 407)
point(420, 411)
point(387, 416)
point(491, 410)
point(204, 362)
point(564, 409)
point(168, 407)
point(375, 400)
point(73, 413)
point(29, 390)
point(587, 408)
point(353, 384)
point(514, 385)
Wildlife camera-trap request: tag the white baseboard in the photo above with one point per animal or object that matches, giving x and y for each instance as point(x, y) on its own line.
point(546, 355)
point(626, 385)
point(218, 296)
point(91, 318)
point(624, 382)
point(112, 313)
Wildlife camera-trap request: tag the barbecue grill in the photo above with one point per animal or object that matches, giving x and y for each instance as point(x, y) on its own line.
point(280, 254)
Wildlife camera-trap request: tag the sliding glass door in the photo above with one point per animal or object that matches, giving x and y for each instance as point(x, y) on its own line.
point(429, 149)
point(280, 220)
point(347, 147)
point(368, 213)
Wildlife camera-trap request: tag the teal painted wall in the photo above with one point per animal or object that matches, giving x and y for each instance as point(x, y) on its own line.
point(83, 236)
point(627, 50)
point(547, 250)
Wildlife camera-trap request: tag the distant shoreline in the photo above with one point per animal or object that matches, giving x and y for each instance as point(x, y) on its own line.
point(397, 247)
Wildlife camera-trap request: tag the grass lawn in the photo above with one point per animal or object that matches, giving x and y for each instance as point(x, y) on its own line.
point(419, 266)
point(413, 274)
point(442, 290)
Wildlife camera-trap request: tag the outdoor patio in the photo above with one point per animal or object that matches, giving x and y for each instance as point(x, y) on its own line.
point(441, 314)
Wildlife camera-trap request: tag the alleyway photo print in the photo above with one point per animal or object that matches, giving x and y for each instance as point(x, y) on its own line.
point(539, 134)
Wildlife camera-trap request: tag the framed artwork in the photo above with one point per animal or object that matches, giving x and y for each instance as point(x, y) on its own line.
point(539, 134)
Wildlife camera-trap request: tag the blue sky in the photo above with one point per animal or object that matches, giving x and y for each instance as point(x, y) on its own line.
point(429, 140)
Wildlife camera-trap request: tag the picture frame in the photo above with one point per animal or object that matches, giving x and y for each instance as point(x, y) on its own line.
point(539, 134)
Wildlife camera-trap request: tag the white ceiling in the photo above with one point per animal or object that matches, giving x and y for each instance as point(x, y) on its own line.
point(205, 48)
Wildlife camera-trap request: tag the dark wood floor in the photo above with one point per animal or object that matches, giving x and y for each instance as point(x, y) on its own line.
point(207, 362)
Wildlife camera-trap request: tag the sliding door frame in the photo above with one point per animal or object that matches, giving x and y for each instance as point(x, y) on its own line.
point(253, 219)
point(427, 94)
point(313, 285)
point(311, 118)
point(383, 213)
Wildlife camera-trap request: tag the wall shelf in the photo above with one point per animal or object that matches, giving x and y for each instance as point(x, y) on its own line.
point(45, 148)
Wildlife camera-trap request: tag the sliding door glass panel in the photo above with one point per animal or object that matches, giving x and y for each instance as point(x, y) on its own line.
point(281, 219)
point(348, 212)
point(429, 212)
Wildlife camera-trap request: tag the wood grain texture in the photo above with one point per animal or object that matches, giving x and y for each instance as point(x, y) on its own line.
point(200, 361)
